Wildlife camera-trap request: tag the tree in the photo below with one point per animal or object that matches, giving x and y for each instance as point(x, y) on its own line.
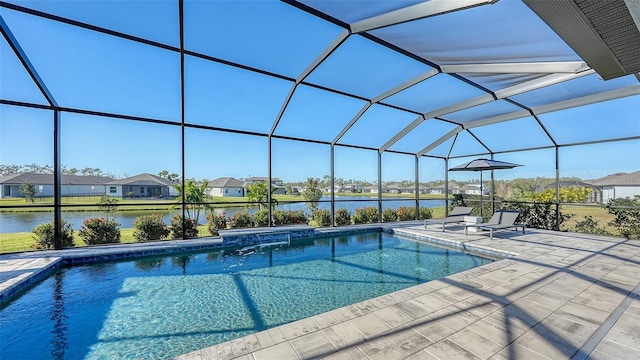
point(258, 192)
point(169, 176)
point(194, 197)
point(312, 193)
point(6, 170)
point(109, 206)
point(28, 189)
point(573, 194)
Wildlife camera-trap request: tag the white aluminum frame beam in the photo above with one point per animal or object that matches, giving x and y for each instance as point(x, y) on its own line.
point(571, 67)
point(487, 98)
point(406, 85)
point(561, 105)
point(314, 64)
point(483, 99)
point(415, 12)
point(540, 83)
point(440, 140)
point(383, 96)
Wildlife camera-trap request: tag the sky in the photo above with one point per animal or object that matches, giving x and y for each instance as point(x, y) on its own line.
point(89, 70)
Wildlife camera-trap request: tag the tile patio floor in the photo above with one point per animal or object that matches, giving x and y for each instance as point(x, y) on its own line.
point(563, 296)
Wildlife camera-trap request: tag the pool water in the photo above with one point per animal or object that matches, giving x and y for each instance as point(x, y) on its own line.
point(161, 307)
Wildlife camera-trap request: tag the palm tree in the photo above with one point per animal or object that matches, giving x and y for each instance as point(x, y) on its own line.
point(259, 192)
point(194, 196)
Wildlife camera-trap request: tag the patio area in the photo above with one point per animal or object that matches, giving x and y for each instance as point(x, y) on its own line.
point(563, 296)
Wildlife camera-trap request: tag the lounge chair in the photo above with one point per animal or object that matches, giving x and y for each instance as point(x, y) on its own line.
point(456, 216)
point(501, 220)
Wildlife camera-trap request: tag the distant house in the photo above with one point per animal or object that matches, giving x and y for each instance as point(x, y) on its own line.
point(226, 186)
point(453, 189)
point(408, 190)
point(392, 190)
point(276, 183)
point(373, 189)
point(352, 188)
point(143, 185)
point(71, 185)
point(471, 189)
point(616, 186)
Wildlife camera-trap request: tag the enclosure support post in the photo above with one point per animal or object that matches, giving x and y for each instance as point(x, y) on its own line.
point(333, 195)
point(183, 181)
point(417, 188)
point(269, 182)
point(446, 187)
point(557, 188)
point(57, 186)
point(493, 190)
point(379, 187)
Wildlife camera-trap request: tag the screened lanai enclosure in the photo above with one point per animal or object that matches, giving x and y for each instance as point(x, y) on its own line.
point(133, 104)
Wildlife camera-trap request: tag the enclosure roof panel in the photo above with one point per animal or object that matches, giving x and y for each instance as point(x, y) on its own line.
point(422, 77)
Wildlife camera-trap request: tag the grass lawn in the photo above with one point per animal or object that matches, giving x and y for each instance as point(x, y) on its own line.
point(578, 213)
point(22, 241)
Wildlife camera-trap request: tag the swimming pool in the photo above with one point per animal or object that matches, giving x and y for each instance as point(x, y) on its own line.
point(160, 307)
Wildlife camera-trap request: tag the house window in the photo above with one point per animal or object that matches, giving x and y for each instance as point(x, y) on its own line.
point(141, 190)
point(226, 191)
point(40, 188)
point(112, 189)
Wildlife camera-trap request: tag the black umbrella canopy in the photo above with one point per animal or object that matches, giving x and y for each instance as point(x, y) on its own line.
point(480, 165)
point(484, 164)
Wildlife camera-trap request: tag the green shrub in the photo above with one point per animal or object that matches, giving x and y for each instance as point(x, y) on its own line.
point(424, 213)
point(150, 227)
point(406, 213)
point(343, 217)
point(366, 215)
point(261, 218)
point(389, 215)
point(322, 217)
point(190, 227)
point(627, 219)
point(456, 200)
point(298, 217)
point(285, 217)
point(99, 230)
point(45, 235)
point(216, 222)
point(589, 226)
point(240, 219)
point(536, 215)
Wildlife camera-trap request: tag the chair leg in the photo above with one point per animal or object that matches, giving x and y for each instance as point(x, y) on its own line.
point(490, 234)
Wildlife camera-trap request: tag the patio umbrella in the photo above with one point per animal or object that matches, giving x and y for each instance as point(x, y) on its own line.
point(481, 165)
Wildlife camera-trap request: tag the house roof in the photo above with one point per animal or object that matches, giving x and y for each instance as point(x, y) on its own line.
point(618, 179)
point(226, 182)
point(47, 179)
point(143, 180)
point(568, 183)
point(262, 178)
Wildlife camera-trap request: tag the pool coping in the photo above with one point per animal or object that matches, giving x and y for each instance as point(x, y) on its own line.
point(14, 279)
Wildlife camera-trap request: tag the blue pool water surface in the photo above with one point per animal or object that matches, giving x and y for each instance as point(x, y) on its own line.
point(161, 307)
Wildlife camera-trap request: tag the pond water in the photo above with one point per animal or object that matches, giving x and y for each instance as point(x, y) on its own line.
point(26, 222)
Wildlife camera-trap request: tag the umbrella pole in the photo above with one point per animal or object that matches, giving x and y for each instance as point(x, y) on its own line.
point(481, 196)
